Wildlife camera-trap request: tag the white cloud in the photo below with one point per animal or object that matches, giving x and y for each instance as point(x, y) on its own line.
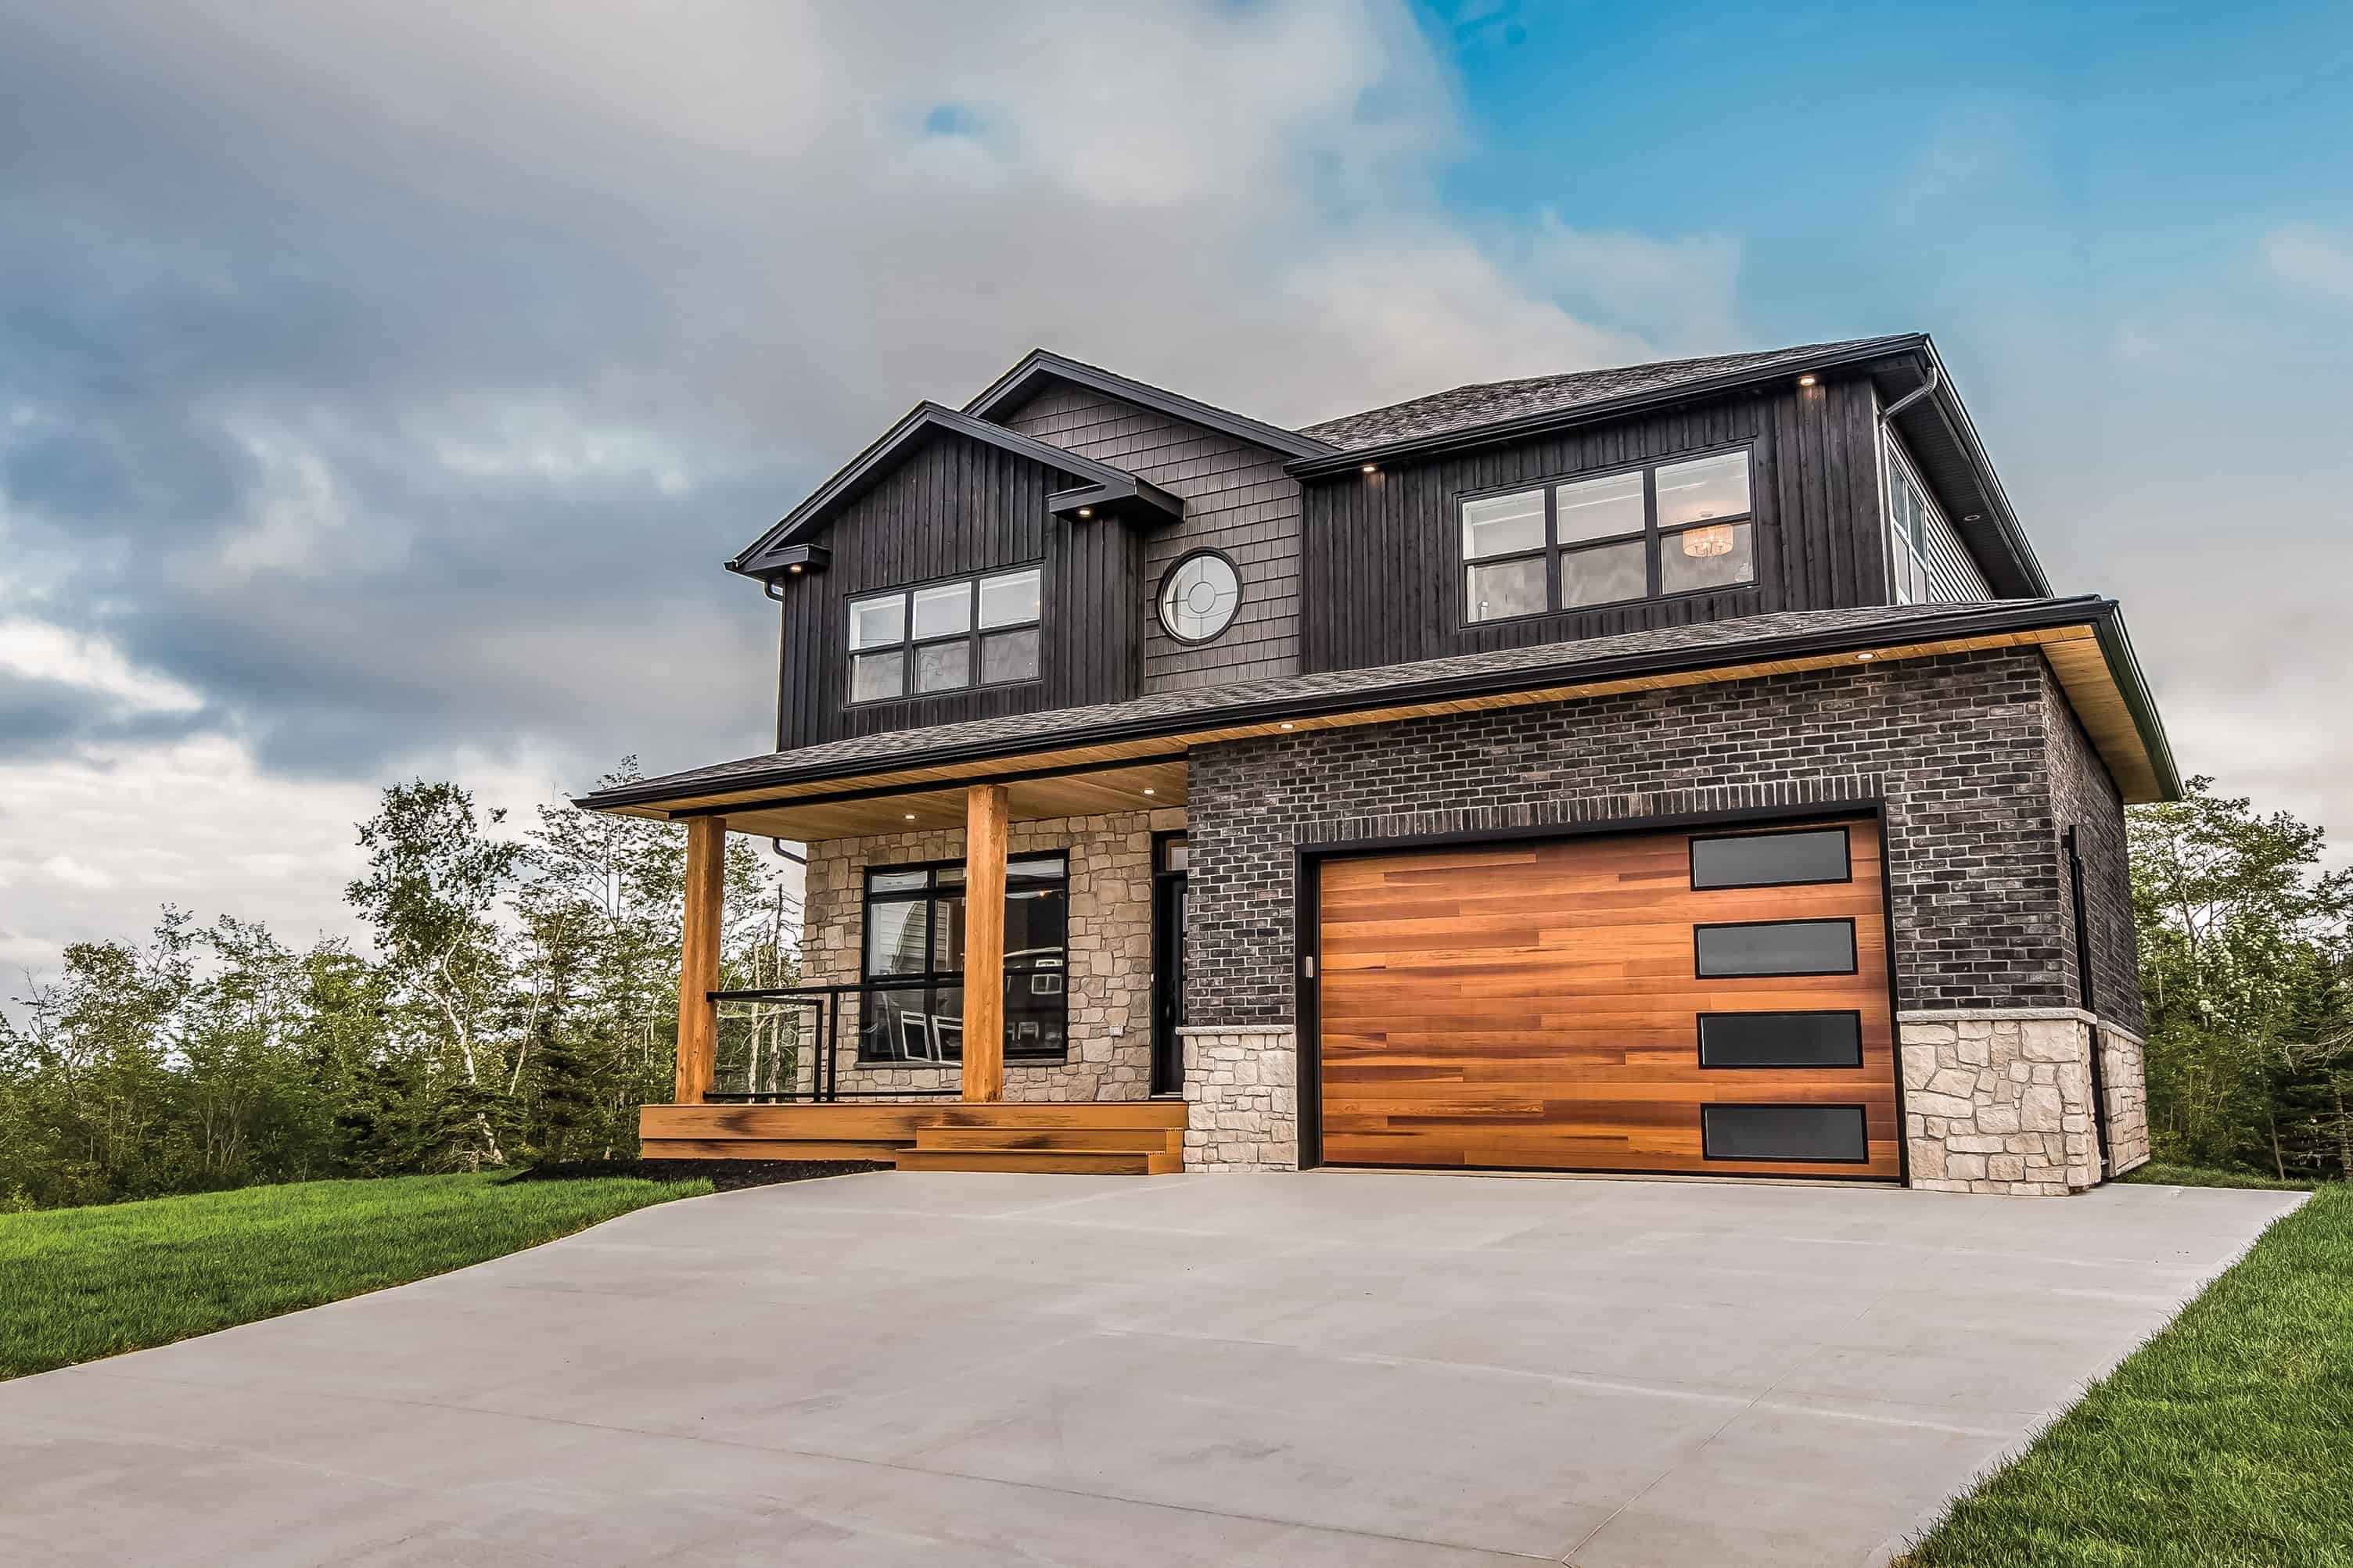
point(1680, 293)
point(65, 869)
point(470, 270)
point(36, 651)
point(2311, 259)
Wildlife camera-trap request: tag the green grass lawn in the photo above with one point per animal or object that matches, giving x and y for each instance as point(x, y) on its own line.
point(2154, 1174)
point(78, 1284)
point(2223, 1443)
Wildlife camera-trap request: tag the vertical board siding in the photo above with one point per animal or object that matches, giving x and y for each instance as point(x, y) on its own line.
point(958, 508)
point(1384, 554)
point(1238, 501)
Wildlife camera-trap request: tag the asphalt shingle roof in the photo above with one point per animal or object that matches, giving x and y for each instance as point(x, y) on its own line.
point(1493, 402)
point(1208, 704)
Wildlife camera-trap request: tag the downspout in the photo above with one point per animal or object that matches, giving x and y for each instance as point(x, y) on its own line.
point(768, 587)
point(1936, 378)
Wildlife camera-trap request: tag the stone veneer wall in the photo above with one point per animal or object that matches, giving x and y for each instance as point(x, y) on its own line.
point(1110, 976)
point(2000, 1100)
point(1241, 1095)
point(2125, 1078)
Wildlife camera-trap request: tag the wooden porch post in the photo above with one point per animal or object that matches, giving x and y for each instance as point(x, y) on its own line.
point(984, 812)
point(698, 968)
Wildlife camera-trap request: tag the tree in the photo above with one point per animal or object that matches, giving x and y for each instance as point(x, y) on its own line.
point(434, 879)
point(2242, 953)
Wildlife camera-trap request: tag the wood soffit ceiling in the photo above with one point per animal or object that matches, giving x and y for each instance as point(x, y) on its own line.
point(1149, 773)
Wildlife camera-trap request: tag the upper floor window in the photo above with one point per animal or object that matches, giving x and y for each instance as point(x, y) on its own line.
point(1908, 510)
point(977, 631)
point(1670, 528)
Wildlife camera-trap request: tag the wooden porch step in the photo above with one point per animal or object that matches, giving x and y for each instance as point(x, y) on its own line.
point(1117, 1113)
point(1138, 1140)
point(1054, 1161)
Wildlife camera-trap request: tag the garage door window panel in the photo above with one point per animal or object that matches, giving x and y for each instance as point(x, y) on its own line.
point(1794, 1134)
point(1749, 1040)
point(1771, 859)
point(1764, 949)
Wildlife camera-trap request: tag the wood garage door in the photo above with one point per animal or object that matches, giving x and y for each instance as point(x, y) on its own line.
point(1712, 1001)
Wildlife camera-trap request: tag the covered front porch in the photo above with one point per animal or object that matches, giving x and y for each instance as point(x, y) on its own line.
point(976, 987)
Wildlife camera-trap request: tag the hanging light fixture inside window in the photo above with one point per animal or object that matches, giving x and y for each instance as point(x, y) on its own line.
point(1705, 542)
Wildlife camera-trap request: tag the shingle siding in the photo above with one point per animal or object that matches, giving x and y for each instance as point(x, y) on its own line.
point(1959, 748)
point(1238, 501)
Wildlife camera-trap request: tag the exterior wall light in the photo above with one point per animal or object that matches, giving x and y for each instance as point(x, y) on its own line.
point(1086, 511)
point(1866, 657)
point(1372, 467)
point(1289, 726)
point(1149, 790)
point(1805, 381)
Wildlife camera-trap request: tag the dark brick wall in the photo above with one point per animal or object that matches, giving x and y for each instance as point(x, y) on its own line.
point(1956, 746)
point(2083, 797)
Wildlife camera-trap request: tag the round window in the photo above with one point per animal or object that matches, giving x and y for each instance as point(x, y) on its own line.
point(1200, 596)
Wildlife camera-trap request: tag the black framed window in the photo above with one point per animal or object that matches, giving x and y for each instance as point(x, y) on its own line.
point(1770, 860)
point(945, 636)
point(1812, 1134)
point(1824, 1039)
point(1681, 527)
point(913, 1010)
point(1774, 947)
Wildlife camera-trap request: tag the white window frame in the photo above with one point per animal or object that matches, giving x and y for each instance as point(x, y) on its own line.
point(1902, 546)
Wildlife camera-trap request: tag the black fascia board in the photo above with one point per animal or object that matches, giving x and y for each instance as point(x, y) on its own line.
point(1947, 400)
point(1528, 425)
point(759, 559)
point(1040, 363)
point(2088, 609)
point(1133, 496)
point(2124, 664)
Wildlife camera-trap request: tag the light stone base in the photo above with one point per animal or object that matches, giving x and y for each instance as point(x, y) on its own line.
point(2124, 1079)
point(2000, 1101)
point(1242, 1097)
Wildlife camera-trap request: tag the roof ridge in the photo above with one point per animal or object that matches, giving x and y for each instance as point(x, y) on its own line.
point(1440, 412)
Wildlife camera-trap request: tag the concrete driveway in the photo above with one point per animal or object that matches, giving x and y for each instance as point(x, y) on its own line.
point(1329, 1368)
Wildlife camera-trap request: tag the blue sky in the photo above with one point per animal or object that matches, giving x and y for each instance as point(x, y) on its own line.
point(380, 388)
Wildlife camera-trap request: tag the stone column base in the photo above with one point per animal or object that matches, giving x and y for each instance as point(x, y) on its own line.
point(2000, 1101)
point(1241, 1099)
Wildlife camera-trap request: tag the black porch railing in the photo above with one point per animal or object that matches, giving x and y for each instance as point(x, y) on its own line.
point(787, 1047)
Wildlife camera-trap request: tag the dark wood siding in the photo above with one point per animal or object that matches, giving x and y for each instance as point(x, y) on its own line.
point(1383, 563)
point(1238, 501)
point(957, 507)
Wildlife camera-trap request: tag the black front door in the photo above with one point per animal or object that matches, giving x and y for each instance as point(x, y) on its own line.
point(1169, 861)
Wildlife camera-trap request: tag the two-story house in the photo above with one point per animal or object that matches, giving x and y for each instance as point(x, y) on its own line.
point(1680, 768)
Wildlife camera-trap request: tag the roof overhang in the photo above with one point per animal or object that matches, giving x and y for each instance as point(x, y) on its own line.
point(1037, 367)
point(2084, 639)
point(769, 555)
point(1600, 409)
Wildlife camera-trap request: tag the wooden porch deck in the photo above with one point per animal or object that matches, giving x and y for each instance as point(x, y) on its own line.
point(1137, 1137)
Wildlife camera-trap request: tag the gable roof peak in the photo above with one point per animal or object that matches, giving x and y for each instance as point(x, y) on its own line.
point(1039, 365)
point(1099, 483)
